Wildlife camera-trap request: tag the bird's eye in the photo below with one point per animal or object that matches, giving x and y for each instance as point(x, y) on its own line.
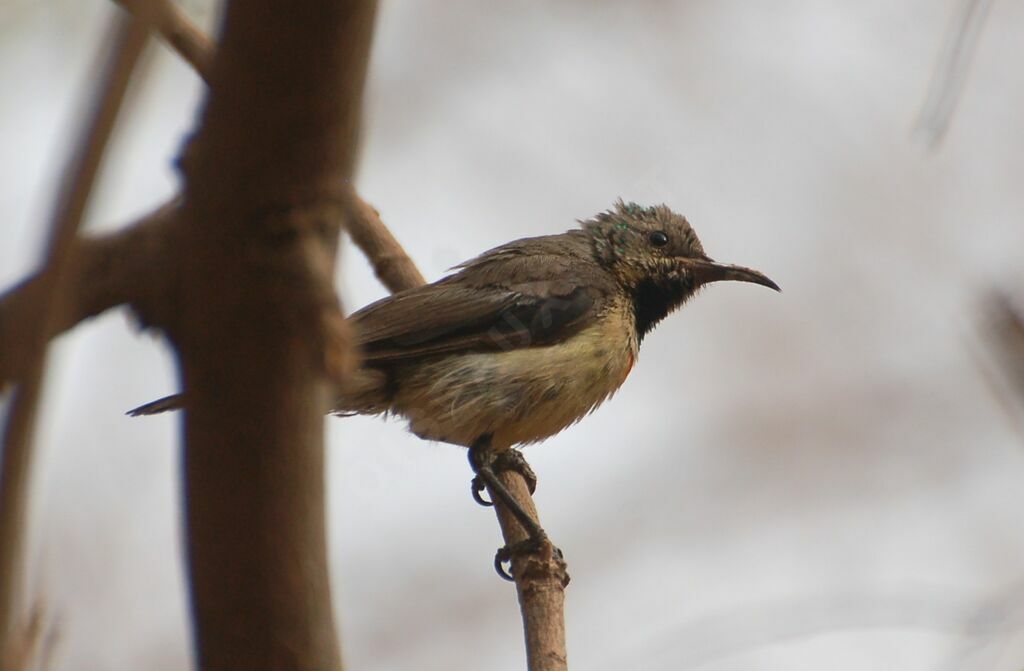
point(657, 238)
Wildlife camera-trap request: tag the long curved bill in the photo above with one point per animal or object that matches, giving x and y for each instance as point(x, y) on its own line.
point(706, 270)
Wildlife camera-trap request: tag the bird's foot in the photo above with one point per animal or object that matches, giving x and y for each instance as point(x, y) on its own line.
point(487, 464)
point(529, 546)
point(506, 460)
point(482, 460)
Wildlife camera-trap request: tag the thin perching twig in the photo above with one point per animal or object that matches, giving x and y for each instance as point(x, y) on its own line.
point(541, 579)
point(129, 40)
point(180, 34)
point(951, 72)
point(391, 264)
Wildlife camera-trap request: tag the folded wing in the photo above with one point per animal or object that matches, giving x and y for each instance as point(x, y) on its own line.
point(533, 301)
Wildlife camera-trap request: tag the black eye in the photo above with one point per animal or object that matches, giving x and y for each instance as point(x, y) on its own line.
point(657, 238)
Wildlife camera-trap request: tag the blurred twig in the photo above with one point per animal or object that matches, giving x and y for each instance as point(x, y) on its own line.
point(129, 38)
point(182, 36)
point(1006, 325)
point(950, 74)
point(109, 270)
point(33, 641)
point(101, 272)
point(1003, 336)
point(392, 265)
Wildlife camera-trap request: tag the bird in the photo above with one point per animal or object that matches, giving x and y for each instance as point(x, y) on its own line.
point(525, 339)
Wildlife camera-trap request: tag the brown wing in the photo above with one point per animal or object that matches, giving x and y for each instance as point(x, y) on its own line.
point(510, 298)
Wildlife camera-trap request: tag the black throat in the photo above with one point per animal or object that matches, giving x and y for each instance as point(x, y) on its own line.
point(653, 300)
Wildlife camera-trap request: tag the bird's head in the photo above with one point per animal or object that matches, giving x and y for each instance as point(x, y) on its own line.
point(657, 259)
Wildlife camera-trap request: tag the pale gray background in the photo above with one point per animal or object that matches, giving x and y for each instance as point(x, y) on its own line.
point(817, 479)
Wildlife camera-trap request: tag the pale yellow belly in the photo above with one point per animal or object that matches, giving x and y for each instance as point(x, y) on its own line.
point(518, 396)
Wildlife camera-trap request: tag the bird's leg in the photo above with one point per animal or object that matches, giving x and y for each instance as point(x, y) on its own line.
point(506, 460)
point(482, 459)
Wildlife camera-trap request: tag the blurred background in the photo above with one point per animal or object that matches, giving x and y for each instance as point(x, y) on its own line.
point(830, 478)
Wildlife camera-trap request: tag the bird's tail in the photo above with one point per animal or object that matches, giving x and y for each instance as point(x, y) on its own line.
point(172, 402)
point(363, 393)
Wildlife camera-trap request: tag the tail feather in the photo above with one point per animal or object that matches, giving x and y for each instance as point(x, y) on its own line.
point(172, 402)
point(364, 393)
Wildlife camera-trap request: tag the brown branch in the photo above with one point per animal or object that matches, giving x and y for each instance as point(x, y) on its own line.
point(129, 39)
point(541, 579)
point(129, 267)
point(124, 267)
point(391, 264)
point(102, 272)
point(258, 329)
point(34, 641)
point(179, 33)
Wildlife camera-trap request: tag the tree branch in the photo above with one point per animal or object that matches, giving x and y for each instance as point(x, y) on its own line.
point(541, 579)
point(129, 39)
point(391, 264)
point(128, 266)
point(179, 33)
point(125, 267)
point(258, 329)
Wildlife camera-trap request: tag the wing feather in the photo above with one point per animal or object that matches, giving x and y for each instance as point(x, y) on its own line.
point(500, 301)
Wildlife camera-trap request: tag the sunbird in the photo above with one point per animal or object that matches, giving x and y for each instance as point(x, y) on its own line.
point(525, 339)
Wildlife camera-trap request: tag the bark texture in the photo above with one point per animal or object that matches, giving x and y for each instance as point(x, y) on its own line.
point(258, 328)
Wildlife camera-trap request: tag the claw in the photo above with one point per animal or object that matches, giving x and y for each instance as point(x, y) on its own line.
point(506, 553)
point(506, 460)
point(500, 557)
point(477, 489)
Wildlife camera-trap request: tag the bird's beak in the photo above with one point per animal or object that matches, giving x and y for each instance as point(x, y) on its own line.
point(705, 271)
